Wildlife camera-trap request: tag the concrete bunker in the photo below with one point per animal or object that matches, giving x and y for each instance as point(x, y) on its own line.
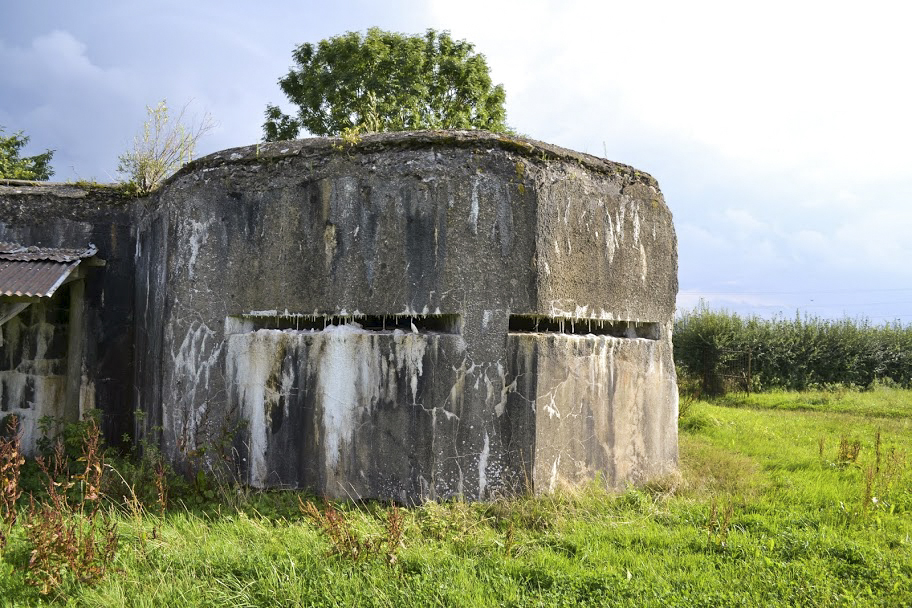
point(412, 316)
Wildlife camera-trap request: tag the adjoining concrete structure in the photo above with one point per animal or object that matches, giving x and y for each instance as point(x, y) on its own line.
point(413, 316)
point(42, 324)
point(94, 368)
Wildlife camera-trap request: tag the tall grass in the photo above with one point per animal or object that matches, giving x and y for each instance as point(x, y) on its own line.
point(781, 500)
point(797, 353)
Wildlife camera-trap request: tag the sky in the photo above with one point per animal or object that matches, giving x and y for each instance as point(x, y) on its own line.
point(780, 132)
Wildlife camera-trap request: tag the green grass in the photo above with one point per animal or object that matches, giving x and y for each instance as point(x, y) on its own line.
point(766, 511)
point(880, 402)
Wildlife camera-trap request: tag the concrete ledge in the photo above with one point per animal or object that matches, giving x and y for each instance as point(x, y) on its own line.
point(414, 140)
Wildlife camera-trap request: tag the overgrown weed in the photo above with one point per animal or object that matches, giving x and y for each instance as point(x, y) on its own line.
point(11, 461)
point(690, 391)
point(717, 526)
point(848, 451)
point(352, 544)
point(70, 535)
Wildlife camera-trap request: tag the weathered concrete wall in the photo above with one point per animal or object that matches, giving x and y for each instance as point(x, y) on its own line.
point(419, 315)
point(72, 216)
point(33, 351)
point(450, 237)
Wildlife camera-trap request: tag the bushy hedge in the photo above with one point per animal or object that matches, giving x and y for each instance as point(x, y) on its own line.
point(795, 354)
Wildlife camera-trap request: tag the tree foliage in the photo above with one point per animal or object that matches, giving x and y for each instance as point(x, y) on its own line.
point(387, 81)
point(14, 166)
point(165, 145)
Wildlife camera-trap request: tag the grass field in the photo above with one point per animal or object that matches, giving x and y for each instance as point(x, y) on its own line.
point(783, 499)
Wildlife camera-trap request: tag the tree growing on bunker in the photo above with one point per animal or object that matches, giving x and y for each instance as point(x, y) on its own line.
point(15, 166)
point(165, 145)
point(386, 81)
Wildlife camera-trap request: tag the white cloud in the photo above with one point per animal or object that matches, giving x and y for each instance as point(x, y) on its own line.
point(815, 85)
point(744, 222)
point(64, 101)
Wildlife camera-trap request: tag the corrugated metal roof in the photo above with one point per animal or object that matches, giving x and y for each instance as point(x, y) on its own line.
point(37, 271)
point(21, 253)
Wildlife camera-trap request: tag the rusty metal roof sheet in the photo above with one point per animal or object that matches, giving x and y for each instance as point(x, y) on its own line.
point(37, 271)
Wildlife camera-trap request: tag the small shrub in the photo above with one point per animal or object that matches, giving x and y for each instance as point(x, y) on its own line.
point(395, 531)
point(144, 479)
point(166, 144)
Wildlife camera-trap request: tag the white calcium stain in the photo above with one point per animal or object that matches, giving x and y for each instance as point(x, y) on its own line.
point(348, 380)
point(622, 210)
point(86, 396)
point(410, 358)
point(197, 356)
point(250, 362)
point(352, 371)
point(489, 387)
point(193, 364)
point(197, 233)
point(44, 336)
point(643, 266)
point(483, 466)
point(611, 243)
point(551, 408)
point(473, 210)
point(636, 225)
point(552, 483)
point(505, 390)
point(612, 373)
point(48, 400)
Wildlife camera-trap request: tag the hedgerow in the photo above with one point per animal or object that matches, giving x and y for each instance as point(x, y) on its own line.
point(718, 348)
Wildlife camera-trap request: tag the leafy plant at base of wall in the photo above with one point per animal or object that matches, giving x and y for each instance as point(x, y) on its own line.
point(73, 435)
point(143, 477)
point(216, 464)
point(70, 535)
point(166, 144)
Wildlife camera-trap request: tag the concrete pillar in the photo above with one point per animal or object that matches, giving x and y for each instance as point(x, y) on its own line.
point(75, 351)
